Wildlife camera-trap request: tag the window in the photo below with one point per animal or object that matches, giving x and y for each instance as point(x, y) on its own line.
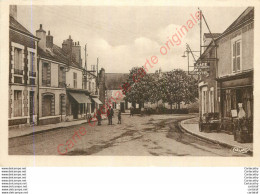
point(114, 105)
point(93, 86)
point(211, 100)
point(75, 80)
point(45, 76)
point(32, 67)
point(236, 56)
point(48, 105)
point(62, 77)
point(18, 69)
point(89, 86)
point(17, 103)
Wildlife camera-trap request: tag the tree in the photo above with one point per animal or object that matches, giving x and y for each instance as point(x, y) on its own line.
point(141, 86)
point(178, 87)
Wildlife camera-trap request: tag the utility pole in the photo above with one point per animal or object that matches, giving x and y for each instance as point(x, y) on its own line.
point(97, 80)
point(86, 70)
point(200, 30)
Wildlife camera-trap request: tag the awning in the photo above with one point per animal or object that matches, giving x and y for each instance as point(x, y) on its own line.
point(80, 98)
point(97, 100)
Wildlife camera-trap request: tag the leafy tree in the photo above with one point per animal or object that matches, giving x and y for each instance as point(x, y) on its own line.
point(178, 87)
point(141, 86)
point(172, 87)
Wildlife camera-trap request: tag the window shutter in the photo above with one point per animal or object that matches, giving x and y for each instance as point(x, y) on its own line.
point(238, 65)
point(234, 57)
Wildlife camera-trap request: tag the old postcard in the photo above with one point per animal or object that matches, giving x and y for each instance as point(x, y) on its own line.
point(87, 84)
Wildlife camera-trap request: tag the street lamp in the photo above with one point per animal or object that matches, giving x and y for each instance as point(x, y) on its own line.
point(184, 54)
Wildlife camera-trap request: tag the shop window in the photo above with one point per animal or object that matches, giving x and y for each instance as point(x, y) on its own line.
point(17, 103)
point(211, 100)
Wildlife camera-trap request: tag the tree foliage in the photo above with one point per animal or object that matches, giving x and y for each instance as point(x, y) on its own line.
point(171, 87)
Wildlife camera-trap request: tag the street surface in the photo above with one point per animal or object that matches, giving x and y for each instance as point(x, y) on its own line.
point(155, 135)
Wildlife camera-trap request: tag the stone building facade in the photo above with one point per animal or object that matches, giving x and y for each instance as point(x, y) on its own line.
point(22, 73)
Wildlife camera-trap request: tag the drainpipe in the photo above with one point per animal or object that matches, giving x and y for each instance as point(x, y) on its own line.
point(38, 91)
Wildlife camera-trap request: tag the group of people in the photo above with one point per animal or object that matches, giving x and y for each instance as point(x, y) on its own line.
point(110, 114)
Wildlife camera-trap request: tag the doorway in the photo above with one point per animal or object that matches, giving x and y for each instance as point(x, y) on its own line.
point(31, 106)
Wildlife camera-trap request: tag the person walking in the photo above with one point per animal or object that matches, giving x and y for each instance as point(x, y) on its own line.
point(131, 111)
point(99, 117)
point(110, 113)
point(119, 117)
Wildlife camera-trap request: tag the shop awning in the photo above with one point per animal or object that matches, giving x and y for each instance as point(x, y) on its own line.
point(97, 100)
point(80, 98)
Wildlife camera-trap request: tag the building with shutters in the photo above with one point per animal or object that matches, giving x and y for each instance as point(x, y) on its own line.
point(22, 73)
point(229, 82)
point(52, 79)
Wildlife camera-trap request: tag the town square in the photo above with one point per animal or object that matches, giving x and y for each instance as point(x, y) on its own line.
point(94, 81)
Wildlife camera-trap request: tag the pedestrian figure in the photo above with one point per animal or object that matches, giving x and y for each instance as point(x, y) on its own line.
point(99, 117)
point(119, 117)
point(131, 111)
point(110, 113)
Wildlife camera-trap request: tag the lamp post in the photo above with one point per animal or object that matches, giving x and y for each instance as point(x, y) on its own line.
point(188, 51)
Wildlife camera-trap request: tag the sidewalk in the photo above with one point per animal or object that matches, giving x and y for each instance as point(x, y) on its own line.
point(40, 128)
point(192, 126)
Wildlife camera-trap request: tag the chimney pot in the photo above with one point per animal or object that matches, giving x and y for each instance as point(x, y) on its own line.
point(40, 26)
point(69, 36)
point(78, 42)
point(49, 33)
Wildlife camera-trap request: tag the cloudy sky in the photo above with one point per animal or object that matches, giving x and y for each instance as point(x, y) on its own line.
point(124, 37)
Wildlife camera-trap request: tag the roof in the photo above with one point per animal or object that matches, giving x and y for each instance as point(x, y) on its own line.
point(246, 15)
point(55, 54)
point(14, 24)
point(215, 35)
point(113, 81)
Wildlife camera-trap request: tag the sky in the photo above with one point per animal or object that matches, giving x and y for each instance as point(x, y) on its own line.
point(123, 37)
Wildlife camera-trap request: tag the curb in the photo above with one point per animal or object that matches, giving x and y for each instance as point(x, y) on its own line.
point(183, 129)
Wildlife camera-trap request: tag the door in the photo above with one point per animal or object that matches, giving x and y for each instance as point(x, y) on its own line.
point(122, 106)
point(31, 106)
point(75, 110)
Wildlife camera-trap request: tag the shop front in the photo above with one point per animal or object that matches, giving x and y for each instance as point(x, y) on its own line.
point(236, 102)
point(77, 105)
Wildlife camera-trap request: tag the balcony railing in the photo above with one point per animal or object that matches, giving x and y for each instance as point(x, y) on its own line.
point(46, 82)
point(32, 74)
point(18, 71)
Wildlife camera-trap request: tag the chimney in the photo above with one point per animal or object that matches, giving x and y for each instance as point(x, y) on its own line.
point(42, 35)
point(76, 53)
point(67, 45)
point(49, 40)
point(13, 11)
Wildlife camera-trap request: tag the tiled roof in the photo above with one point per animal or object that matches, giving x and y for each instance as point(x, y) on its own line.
point(215, 35)
point(55, 54)
point(14, 24)
point(246, 15)
point(113, 81)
